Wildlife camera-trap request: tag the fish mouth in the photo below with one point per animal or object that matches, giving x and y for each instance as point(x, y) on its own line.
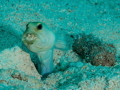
point(29, 38)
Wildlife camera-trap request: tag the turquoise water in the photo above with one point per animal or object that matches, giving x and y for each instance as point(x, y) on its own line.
point(65, 17)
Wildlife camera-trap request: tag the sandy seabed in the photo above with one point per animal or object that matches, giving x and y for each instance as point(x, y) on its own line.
point(98, 17)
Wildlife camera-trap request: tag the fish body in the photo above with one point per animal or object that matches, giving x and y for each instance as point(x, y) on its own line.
point(40, 39)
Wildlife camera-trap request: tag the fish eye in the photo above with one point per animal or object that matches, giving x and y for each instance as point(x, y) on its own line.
point(39, 27)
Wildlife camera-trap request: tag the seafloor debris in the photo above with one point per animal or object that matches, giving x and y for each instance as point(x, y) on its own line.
point(94, 51)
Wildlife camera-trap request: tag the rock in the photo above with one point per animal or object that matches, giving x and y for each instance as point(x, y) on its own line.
point(94, 51)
